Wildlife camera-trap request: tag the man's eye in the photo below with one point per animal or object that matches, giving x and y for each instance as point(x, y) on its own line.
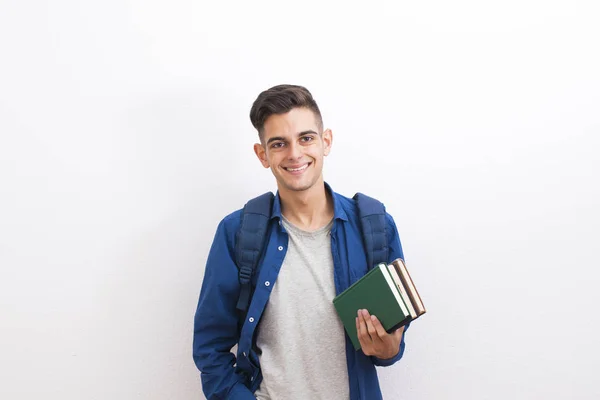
point(276, 145)
point(306, 138)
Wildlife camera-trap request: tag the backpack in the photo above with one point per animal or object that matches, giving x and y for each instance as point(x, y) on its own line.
point(252, 236)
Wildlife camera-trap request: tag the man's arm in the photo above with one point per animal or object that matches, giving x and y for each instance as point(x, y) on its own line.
point(395, 251)
point(215, 323)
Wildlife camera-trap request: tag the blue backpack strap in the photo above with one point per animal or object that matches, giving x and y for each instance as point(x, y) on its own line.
point(249, 244)
point(372, 219)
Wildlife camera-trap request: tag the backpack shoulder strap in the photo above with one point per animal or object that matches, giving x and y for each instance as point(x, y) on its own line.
point(372, 220)
point(250, 242)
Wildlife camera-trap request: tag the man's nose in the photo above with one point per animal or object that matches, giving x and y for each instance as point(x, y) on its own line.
point(294, 151)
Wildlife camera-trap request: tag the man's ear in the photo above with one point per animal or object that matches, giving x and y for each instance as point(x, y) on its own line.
point(260, 152)
point(327, 141)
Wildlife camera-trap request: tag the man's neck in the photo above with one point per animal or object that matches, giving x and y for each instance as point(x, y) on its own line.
point(309, 209)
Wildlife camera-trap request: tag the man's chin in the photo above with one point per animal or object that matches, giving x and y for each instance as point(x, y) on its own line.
point(298, 186)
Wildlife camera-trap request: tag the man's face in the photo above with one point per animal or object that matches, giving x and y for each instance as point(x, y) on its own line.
point(294, 148)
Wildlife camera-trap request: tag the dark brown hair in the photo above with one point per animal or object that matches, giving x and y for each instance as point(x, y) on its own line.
point(281, 99)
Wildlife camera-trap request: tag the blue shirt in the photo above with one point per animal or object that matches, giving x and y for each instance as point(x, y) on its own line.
point(216, 331)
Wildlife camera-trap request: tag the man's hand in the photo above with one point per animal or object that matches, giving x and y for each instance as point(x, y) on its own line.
point(374, 340)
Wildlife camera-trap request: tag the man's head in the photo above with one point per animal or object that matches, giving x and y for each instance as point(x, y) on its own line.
point(292, 140)
point(279, 100)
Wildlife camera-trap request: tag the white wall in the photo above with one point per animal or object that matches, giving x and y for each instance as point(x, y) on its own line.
point(125, 138)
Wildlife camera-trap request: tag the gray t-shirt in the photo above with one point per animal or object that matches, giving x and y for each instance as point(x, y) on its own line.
point(300, 335)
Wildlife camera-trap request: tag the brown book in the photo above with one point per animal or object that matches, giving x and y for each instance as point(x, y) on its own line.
point(409, 285)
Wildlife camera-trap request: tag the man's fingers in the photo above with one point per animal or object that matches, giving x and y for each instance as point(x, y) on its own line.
point(373, 338)
point(363, 336)
point(361, 329)
point(370, 327)
point(358, 329)
point(378, 327)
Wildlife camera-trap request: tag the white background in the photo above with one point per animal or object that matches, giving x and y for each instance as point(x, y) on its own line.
point(125, 138)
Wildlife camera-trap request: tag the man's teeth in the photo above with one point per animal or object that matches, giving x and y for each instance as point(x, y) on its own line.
point(297, 169)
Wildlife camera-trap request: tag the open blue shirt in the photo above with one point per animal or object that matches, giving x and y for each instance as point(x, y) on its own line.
point(225, 376)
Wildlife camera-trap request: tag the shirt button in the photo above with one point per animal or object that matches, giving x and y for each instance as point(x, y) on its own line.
point(251, 319)
point(280, 248)
point(267, 283)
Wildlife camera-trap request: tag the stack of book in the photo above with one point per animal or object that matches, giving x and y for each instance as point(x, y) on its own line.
point(387, 292)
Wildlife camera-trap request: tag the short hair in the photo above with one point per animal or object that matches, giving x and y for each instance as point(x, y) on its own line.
point(281, 99)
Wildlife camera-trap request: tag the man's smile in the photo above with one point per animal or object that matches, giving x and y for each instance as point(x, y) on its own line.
point(297, 169)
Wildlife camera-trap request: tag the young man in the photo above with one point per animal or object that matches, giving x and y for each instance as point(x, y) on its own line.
point(291, 343)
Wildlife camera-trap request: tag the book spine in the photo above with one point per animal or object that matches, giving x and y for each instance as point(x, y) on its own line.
point(393, 288)
point(410, 287)
point(403, 294)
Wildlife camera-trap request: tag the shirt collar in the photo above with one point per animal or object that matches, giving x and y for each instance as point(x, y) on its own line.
point(338, 210)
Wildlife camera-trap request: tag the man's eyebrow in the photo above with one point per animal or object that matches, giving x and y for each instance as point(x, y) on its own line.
point(308, 132)
point(303, 133)
point(275, 138)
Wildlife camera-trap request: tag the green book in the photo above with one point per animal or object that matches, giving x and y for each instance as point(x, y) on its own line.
point(377, 293)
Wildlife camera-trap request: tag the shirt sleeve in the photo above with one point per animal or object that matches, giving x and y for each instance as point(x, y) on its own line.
point(215, 323)
point(395, 252)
